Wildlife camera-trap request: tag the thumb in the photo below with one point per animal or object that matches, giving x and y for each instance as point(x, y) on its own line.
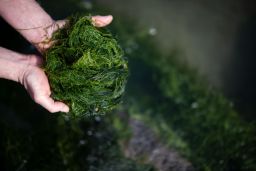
point(102, 21)
point(51, 105)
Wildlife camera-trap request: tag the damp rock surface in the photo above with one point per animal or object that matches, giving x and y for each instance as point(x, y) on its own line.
point(145, 145)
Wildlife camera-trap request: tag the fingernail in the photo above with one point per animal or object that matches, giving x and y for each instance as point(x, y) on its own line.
point(105, 17)
point(109, 17)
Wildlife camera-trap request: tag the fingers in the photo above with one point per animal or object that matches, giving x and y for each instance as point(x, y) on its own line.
point(36, 83)
point(46, 43)
point(43, 46)
point(55, 26)
point(102, 21)
point(61, 23)
point(51, 105)
point(98, 21)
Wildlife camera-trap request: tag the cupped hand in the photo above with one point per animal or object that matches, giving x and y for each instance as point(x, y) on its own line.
point(36, 83)
point(34, 78)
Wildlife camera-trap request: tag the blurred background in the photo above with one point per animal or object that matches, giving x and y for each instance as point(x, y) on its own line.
point(217, 38)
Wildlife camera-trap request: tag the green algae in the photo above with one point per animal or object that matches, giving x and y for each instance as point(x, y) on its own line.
point(183, 110)
point(86, 68)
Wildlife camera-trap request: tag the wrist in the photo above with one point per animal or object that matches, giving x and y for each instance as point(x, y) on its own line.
point(11, 70)
point(14, 66)
point(27, 17)
point(23, 74)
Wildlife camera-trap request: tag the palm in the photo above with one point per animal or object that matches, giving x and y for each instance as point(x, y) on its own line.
point(37, 85)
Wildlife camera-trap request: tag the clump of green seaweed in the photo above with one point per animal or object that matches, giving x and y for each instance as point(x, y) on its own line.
point(185, 114)
point(86, 68)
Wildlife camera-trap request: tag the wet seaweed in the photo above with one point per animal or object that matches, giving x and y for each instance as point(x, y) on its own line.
point(86, 68)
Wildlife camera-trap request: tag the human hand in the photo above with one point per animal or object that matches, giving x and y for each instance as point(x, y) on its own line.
point(36, 83)
point(26, 69)
point(35, 25)
point(33, 77)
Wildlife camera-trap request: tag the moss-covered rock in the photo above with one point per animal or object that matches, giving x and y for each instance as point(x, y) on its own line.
point(183, 110)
